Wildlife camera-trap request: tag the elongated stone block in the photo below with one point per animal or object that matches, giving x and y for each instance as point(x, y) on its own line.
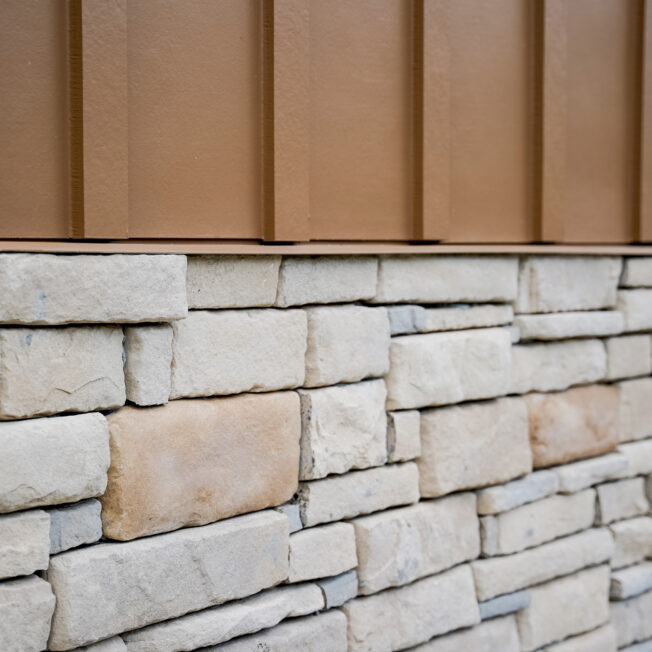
point(563, 325)
point(628, 582)
point(504, 604)
point(584, 474)
point(622, 499)
point(461, 317)
point(74, 525)
point(628, 356)
point(602, 639)
point(24, 543)
point(635, 409)
point(636, 306)
point(632, 541)
point(631, 619)
point(504, 497)
point(637, 272)
point(339, 589)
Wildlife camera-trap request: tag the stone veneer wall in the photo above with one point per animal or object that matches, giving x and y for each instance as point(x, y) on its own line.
point(447, 452)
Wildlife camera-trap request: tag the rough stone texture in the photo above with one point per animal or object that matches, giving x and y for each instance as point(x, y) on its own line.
point(358, 492)
point(184, 571)
point(638, 455)
point(403, 435)
point(401, 545)
point(24, 543)
point(559, 326)
point(183, 463)
point(535, 523)
point(398, 618)
point(346, 344)
point(232, 281)
point(473, 445)
point(586, 473)
point(564, 283)
point(74, 525)
point(114, 644)
point(556, 366)
point(636, 306)
point(57, 289)
point(637, 272)
point(631, 619)
point(620, 500)
point(322, 552)
point(628, 582)
point(52, 461)
point(628, 356)
point(632, 541)
point(232, 351)
point(404, 320)
point(293, 514)
point(548, 618)
point(446, 279)
point(443, 368)
point(219, 624)
point(635, 409)
point(580, 422)
point(26, 607)
point(339, 589)
point(49, 370)
point(504, 604)
point(504, 497)
point(148, 351)
point(645, 646)
point(464, 316)
point(343, 427)
point(326, 279)
point(602, 639)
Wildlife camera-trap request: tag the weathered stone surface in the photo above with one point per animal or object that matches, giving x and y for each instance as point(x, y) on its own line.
point(74, 525)
point(113, 644)
point(556, 366)
point(26, 607)
point(406, 319)
point(322, 552)
point(602, 639)
point(638, 455)
point(49, 370)
point(401, 545)
point(443, 368)
point(232, 351)
point(358, 492)
point(504, 604)
point(504, 497)
point(56, 289)
point(631, 619)
point(343, 427)
point(446, 279)
point(635, 409)
point(535, 523)
point(473, 445)
point(562, 325)
point(586, 473)
point(564, 283)
point(645, 646)
point(183, 571)
point(220, 624)
point(184, 463)
point(148, 351)
point(465, 316)
point(52, 461)
point(636, 306)
point(326, 279)
point(580, 422)
point(24, 543)
point(339, 589)
point(346, 344)
point(620, 500)
point(628, 356)
point(293, 514)
point(500, 575)
point(628, 582)
point(398, 618)
point(548, 618)
point(637, 272)
point(232, 281)
point(632, 541)
point(403, 435)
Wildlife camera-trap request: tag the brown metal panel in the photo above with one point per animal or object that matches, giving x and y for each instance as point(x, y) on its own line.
point(645, 193)
point(195, 118)
point(33, 119)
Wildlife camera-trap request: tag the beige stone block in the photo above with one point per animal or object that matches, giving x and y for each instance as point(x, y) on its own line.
point(184, 571)
point(628, 582)
point(74, 525)
point(24, 543)
point(185, 463)
point(58, 289)
point(473, 445)
point(631, 619)
point(637, 272)
point(465, 316)
point(628, 356)
point(148, 360)
point(52, 461)
point(635, 409)
point(632, 541)
point(548, 618)
point(343, 427)
point(565, 283)
point(564, 325)
point(602, 639)
point(232, 281)
point(444, 368)
point(620, 500)
point(638, 455)
point(586, 473)
point(403, 435)
point(401, 545)
point(50, 370)
point(406, 319)
point(636, 306)
point(503, 497)
point(326, 279)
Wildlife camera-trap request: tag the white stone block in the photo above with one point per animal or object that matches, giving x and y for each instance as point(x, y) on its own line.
point(148, 361)
point(586, 473)
point(628, 356)
point(635, 409)
point(504, 604)
point(563, 325)
point(403, 435)
point(636, 306)
point(632, 541)
point(638, 455)
point(628, 582)
point(503, 497)
point(637, 272)
point(621, 500)
point(24, 543)
point(631, 619)
point(602, 639)
point(404, 320)
point(463, 316)
point(339, 589)
point(293, 514)
point(74, 525)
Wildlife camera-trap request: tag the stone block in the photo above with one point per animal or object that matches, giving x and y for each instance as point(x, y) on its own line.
point(628, 582)
point(631, 619)
point(148, 360)
point(75, 525)
point(339, 589)
point(586, 473)
point(232, 281)
point(343, 427)
point(403, 435)
point(628, 356)
point(503, 497)
point(50, 370)
point(346, 344)
point(24, 543)
point(444, 368)
point(183, 463)
point(233, 351)
point(473, 445)
point(632, 541)
point(358, 492)
point(113, 644)
point(293, 514)
point(504, 604)
point(463, 316)
point(636, 306)
point(322, 552)
point(406, 319)
point(57, 289)
point(602, 639)
point(635, 409)
point(638, 455)
point(565, 283)
point(621, 500)
point(326, 279)
point(564, 325)
point(637, 272)
point(52, 461)
point(183, 571)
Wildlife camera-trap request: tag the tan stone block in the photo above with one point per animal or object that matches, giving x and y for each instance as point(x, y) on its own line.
point(563, 325)
point(636, 306)
point(602, 639)
point(632, 541)
point(403, 435)
point(184, 463)
point(620, 500)
point(24, 543)
point(635, 409)
point(631, 619)
point(628, 356)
